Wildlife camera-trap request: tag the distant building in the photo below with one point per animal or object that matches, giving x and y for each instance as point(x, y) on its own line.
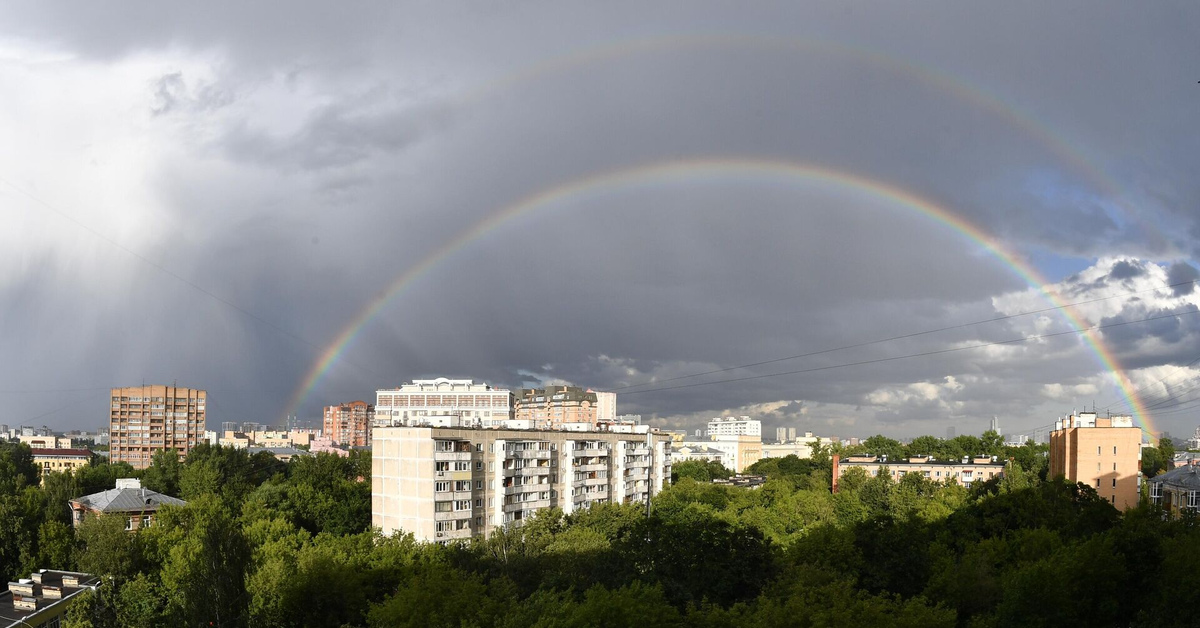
point(1102, 452)
point(50, 460)
point(442, 484)
point(606, 406)
point(1177, 490)
point(731, 426)
point(1194, 441)
point(741, 451)
point(349, 423)
point(137, 504)
point(785, 434)
point(443, 402)
point(801, 446)
point(325, 445)
point(683, 451)
point(552, 406)
point(42, 599)
point(283, 454)
point(965, 471)
point(46, 442)
point(995, 425)
point(144, 420)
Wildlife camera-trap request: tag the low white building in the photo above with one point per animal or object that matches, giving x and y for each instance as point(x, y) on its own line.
point(444, 402)
point(734, 426)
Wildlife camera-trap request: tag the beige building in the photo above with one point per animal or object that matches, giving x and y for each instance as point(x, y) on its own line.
point(442, 484)
point(1102, 452)
point(606, 406)
point(552, 406)
point(443, 402)
point(46, 442)
point(349, 423)
point(740, 451)
point(138, 505)
point(51, 460)
point(147, 419)
point(799, 446)
point(964, 471)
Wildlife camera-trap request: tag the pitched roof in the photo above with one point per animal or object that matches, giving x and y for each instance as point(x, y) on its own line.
point(1186, 477)
point(127, 500)
point(38, 451)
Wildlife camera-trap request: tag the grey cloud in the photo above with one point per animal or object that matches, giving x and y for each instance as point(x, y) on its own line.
point(1180, 272)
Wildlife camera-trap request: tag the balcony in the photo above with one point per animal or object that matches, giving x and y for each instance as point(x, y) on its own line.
point(529, 454)
point(590, 467)
point(452, 455)
point(456, 495)
point(590, 451)
point(595, 481)
point(637, 464)
point(452, 475)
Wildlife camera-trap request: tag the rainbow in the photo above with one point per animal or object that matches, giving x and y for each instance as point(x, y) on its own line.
point(688, 169)
point(1008, 112)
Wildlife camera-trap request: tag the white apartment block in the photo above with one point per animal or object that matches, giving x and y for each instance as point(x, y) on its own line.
point(443, 484)
point(734, 426)
point(443, 403)
point(606, 407)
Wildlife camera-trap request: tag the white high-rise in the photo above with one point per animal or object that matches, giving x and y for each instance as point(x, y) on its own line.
point(443, 402)
point(734, 426)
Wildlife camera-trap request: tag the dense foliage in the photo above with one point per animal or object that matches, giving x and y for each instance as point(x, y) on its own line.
point(262, 543)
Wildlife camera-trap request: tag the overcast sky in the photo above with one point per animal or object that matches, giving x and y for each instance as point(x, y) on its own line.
point(210, 193)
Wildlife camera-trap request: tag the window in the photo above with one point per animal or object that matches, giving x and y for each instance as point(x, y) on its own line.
point(479, 503)
point(479, 466)
point(1112, 499)
point(1097, 450)
point(441, 466)
point(462, 466)
point(1097, 482)
point(462, 504)
point(1114, 466)
point(462, 485)
point(1193, 499)
point(1156, 490)
point(1114, 482)
point(441, 487)
point(441, 506)
point(1114, 450)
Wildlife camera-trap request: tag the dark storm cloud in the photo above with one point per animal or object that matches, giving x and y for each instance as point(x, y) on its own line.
point(1181, 272)
point(304, 156)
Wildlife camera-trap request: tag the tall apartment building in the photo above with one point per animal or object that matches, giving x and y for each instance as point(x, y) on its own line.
point(553, 406)
point(442, 484)
point(350, 423)
point(731, 426)
point(1102, 452)
point(606, 406)
point(443, 402)
point(147, 419)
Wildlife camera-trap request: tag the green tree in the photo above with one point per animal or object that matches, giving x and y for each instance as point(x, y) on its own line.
point(163, 473)
point(700, 470)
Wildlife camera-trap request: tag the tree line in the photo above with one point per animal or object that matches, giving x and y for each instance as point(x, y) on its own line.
point(263, 543)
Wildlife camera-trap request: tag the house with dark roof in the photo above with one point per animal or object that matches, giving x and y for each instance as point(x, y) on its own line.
point(137, 504)
point(1177, 489)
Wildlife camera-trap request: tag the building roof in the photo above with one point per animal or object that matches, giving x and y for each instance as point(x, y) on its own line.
point(279, 451)
point(1186, 477)
point(12, 616)
point(958, 462)
point(127, 500)
point(79, 453)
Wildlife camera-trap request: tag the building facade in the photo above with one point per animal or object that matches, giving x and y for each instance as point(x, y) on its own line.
point(52, 460)
point(799, 446)
point(47, 442)
point(349, 423)
point(147, 419)
point(129, 499)
point(606, 406)
point(552, 406)
point(442, 484)
point(964, 471)
point(734, 426)
point(1177, 490)
point(1102, 452)
point(443, 402)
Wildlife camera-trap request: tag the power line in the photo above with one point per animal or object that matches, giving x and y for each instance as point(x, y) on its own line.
point(915, 355)
point(900, 337)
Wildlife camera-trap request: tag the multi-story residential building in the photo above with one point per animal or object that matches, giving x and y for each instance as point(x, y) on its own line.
point(606, 406)
point(349, 423)
point(740, 450)
point(147, 419)
point(442, 484)
point(443, 402)
point(695, 450)
point(42, 599)
point(785, 434)
point(51, 460)
point(47, 442)
point(552, 406)
point(734, 426)
point(1177, 490)
point(1102, 452)
point(964, 471)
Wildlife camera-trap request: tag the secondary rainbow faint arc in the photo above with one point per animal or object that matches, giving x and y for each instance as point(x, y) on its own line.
point(977, 96)
point(723, 166)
